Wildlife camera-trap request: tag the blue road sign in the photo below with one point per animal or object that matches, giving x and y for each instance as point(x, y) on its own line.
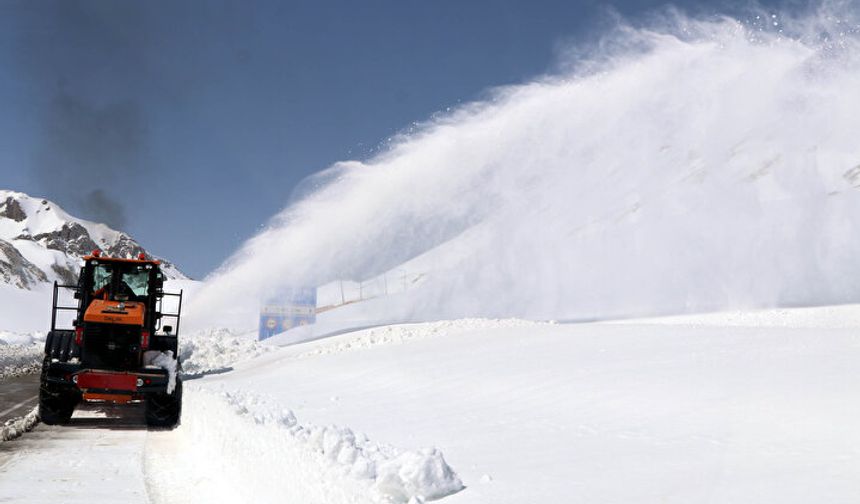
point(296, 307)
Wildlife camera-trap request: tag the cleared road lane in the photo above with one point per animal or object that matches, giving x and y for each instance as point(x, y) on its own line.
point(18, 395)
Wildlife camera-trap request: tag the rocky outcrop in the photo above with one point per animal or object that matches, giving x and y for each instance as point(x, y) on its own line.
point(11, 209)
point(67, 274)
point(16, 270)
point(72, 239)
point(125, 247)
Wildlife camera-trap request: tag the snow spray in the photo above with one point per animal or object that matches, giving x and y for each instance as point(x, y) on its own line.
point(688, 165)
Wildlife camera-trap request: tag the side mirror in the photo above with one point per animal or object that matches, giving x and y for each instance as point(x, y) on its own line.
point(168, 329)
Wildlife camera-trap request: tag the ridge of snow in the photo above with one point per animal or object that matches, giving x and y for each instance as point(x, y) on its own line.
point(264, 443)
point(403, 333)
point(17, 426)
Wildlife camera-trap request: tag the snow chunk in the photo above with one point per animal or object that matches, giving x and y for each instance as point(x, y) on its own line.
point(423, 474)
point(163, 360)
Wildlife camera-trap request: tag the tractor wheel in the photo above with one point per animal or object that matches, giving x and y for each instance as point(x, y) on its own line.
point(56, 404)
point(164, 410)
point(56, 407)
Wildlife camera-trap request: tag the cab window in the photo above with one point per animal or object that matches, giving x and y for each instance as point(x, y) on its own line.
point(101, 276)
point(137, 279)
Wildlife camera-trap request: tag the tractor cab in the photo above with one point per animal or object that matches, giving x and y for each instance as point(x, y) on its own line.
point(118, 350)
point(118, 310)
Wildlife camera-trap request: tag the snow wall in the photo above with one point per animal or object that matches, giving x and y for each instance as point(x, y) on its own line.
point(688, 165)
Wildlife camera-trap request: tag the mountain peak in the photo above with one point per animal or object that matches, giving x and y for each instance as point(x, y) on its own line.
point(40, 242)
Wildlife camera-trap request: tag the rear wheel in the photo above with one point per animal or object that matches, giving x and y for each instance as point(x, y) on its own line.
point(164, 410)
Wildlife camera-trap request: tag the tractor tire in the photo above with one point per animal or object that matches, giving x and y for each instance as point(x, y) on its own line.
point(56, 404)
point(164, 410)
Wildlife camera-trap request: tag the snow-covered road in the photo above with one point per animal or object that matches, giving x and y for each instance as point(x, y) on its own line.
point(98, 457)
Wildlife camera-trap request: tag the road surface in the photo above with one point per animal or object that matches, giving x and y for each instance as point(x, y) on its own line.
point(97, 457)
point(18, 396)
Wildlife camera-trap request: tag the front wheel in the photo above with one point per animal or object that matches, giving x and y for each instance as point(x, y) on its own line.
point(56, 403)
point(164, 410)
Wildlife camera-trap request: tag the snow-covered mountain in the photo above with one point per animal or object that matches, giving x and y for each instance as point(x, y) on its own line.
point(41, 243)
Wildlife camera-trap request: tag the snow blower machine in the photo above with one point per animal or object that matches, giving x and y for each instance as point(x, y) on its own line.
point(117, 350)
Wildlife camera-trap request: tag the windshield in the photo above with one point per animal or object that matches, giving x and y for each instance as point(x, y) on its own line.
point(125, 280)
point(137, 279)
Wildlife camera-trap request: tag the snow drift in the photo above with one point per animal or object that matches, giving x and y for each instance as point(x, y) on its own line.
point(687, 166)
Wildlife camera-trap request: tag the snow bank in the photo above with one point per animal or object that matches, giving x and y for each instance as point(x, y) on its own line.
point(272, 457)
point(561, 413)
point(214, 350)
point(21, 339)
point(20, 353)
point(17, 426)
point(397, 475)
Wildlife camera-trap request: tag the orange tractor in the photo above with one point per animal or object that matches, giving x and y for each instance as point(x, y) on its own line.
point(118, 351)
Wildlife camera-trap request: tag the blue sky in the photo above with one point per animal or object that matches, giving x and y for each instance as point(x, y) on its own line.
point(188, 124)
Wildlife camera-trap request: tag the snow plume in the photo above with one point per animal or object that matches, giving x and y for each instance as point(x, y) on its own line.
point(697, 165)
